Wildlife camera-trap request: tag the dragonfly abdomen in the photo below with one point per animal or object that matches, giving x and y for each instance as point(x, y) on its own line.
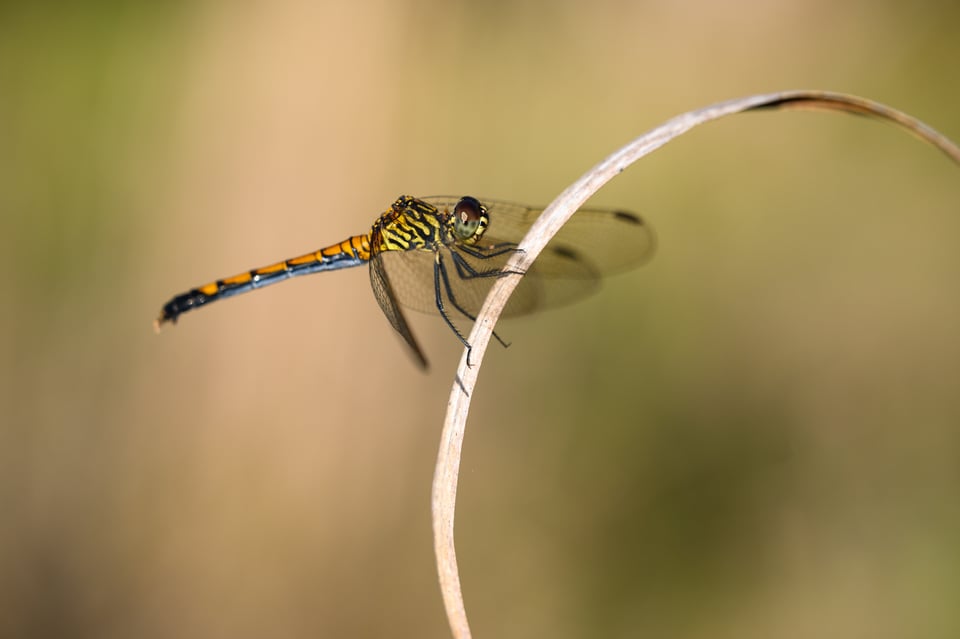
point(351, 252)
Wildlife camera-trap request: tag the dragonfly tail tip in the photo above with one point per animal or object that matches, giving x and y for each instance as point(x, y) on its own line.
point(160, 321)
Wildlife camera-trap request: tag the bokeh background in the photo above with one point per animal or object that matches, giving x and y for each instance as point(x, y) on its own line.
point(755, 435)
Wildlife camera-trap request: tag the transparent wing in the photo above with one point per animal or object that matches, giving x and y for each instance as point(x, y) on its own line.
point(384, 292)
point(611, 241)
point(595, 242)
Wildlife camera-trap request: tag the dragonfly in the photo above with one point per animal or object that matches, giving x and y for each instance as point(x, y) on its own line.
point(441, 254)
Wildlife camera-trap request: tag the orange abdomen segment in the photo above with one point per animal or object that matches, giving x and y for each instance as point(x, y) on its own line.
point(351, 252)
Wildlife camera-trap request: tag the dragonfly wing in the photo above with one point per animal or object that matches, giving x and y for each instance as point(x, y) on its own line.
point(384, 293)
point(560, 275)
point(413, 276)
point(595, 242)
point(610, 241)
point(558, 281)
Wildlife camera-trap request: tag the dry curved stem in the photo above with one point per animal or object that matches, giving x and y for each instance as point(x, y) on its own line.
point(546, 226)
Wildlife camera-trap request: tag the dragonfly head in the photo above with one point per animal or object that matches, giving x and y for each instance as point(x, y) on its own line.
point(469, 219)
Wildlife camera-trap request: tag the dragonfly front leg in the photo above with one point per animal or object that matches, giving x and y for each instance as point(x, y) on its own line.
point(465, 270)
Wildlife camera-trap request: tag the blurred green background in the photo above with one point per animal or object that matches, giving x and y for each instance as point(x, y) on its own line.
point(754, 435)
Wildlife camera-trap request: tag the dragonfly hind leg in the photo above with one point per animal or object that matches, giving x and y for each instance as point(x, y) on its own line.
point(440, 273)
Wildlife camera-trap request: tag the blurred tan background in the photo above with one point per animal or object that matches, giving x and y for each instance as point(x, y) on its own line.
point(755, 435)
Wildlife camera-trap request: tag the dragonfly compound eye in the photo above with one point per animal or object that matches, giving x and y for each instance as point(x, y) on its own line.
point(469, 219)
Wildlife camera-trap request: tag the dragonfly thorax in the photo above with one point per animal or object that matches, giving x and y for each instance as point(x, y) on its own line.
point(413, 224)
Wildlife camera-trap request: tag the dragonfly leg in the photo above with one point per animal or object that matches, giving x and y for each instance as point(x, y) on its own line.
point(466, 271)
point(441, 268)
point(493, 251)
point(440, 271)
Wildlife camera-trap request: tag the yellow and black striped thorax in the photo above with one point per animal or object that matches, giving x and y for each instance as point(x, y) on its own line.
point(414, 225)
